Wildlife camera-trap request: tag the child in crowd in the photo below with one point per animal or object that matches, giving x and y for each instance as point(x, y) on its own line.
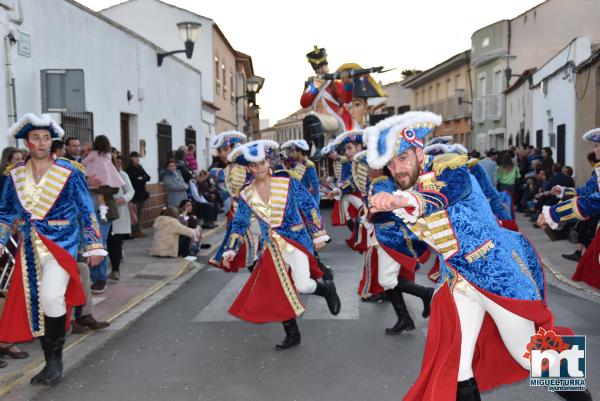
point(98, 164)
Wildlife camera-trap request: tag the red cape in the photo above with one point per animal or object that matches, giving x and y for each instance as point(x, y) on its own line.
point(588, 267)
point(264, 298)
point(493, 365)
point(14, 324)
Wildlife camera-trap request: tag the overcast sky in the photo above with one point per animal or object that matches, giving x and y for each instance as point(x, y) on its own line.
point(395, 34)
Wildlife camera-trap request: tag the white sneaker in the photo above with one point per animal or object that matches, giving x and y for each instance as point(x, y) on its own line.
point(190, 258)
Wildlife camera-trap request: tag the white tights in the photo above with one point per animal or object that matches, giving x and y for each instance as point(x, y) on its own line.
point(348, 200)
point(515, 330)
point(53, 288)
point(300, 268)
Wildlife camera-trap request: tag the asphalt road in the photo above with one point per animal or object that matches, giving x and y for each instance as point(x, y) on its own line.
point(189, 348)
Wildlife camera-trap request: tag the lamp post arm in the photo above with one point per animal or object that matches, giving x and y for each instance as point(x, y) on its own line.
point(161, 56)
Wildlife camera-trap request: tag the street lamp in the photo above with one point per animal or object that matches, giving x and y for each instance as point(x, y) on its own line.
point(253, 86)
point(189, 33)
point(460, 95)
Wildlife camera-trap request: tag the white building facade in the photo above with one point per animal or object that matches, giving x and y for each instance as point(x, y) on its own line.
point(554, 101)
point(97, 77)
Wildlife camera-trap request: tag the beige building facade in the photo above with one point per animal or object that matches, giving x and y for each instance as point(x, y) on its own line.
point(437, 90)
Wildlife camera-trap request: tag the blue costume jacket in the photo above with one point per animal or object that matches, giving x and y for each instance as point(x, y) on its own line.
point(390, 230)
point(590, 187)
point(234, 177)
point(500, 206)
point(453, 216)
point(52, 217)
point(575, 209)
point(347, 185)
point(307, 175)
point(293, 215)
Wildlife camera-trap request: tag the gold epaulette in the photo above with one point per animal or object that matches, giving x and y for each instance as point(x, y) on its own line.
point(343, 159)
point(294, 174)
point(449, 160)
point(309, 163)
point(77, 165)
point(8, 168)
point(597, 165)
point(472, 161)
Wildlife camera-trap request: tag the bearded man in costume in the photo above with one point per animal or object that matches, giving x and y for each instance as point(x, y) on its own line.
point(491, 295)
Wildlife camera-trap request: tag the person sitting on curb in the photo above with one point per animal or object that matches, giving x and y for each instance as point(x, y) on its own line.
point(167, 230)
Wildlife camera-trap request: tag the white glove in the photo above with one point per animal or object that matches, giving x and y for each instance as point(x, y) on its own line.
point(103, 209)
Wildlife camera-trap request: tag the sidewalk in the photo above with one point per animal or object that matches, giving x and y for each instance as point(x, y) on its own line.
point(141, 277)
point(558, 269)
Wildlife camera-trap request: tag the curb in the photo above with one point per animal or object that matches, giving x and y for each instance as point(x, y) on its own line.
point(187, 268)
point(570, 286)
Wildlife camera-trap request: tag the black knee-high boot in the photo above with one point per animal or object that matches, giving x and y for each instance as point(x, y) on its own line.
point(292, 335)
point(425, 293)
point(327, 290)
point(574, 395)
point(405, 322)
point(467, 390)
point(327, 272)
point(52, 343)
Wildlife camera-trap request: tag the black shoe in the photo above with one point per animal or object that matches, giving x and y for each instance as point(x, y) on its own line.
point(350, 225)
point(400, 326)
point(3, 364)
point(98, 287)
point(292, 335)
point(405, 322)
point(467, 390)
point(252, 266)
point(327, 291)
point(375, 298)
point(427, 303)
point(575, 256)
point(574, 395)
point(205, 246)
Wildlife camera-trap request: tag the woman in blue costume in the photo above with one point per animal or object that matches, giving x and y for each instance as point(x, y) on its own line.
point(291, 229)
point(491, 296)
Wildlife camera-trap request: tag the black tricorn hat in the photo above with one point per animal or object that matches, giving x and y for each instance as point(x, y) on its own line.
point(317, 57)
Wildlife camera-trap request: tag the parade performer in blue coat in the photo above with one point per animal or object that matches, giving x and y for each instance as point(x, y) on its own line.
point(588, 266)
point(348, 143)
point(231, 179)
point(491, 296)
point(398, 253)
point(338, 217)
point(298, 151)
point(48, 202)
point(291, 228)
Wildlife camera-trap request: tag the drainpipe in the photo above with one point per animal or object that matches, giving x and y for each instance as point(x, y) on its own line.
point(9, 41)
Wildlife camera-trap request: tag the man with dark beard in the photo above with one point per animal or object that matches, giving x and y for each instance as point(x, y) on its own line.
point(491, 295)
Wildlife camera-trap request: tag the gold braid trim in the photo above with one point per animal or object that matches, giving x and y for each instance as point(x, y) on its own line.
point(448, 161)
point(472, 162)
point(294, 175)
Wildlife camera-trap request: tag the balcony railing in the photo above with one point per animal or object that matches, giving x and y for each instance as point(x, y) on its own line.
point(479, 110)
point(494, 106)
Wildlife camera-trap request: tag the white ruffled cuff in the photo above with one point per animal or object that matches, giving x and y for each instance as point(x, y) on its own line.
point(551, 223)
point(562, 192)
point(409, 217)
point(228, 253)
point(95, 252)
point(320, 239)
